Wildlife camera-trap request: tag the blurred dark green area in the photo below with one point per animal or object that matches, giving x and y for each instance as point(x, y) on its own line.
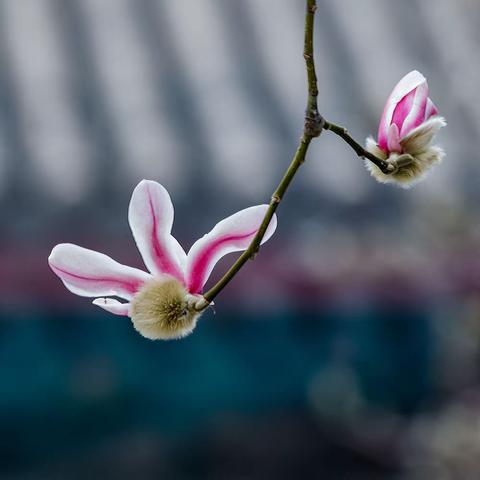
point(78, 389)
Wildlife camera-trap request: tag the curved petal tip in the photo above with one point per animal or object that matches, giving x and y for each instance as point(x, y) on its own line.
point(113, 306)
point(232, 234)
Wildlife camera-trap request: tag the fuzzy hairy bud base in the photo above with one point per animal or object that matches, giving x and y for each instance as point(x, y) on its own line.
point(164, 310)
point(417, 144)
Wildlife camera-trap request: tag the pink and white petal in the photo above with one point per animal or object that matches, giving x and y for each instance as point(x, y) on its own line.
point(113, 306)
point(91, 274)
point(408, 83)
point(150, 215)
point(419, 139)
point(179, 255)
point(232, 234)
point(416, 116)
point(372, 147)
point(430, 110)
point(394, 139)
point(403, 109)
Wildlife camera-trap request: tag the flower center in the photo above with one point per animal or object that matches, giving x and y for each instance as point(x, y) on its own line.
point(163, 309)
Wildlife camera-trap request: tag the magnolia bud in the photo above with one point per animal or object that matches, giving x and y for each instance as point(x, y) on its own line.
point(408, 125)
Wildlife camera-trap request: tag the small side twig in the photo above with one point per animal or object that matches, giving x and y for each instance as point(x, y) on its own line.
point(385, 166)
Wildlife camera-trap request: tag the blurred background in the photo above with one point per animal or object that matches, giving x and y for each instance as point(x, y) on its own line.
point(349, 348)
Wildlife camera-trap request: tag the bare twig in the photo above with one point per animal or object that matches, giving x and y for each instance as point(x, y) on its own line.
point(383, 165)
point(313, 126)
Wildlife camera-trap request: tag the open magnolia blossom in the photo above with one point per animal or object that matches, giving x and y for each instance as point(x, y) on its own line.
point(408, 125)
point(163, 303)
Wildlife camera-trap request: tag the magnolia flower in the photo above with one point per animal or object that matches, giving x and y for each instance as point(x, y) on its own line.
point(408, 125)
point(162, 303)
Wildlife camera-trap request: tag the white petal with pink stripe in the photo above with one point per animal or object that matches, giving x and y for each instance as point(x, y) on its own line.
point(113, 306)
point(92, 274)
point(150, 215)
point(416, 114)
point(232, 234)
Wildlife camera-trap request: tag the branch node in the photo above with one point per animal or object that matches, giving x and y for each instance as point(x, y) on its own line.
point(314, 123)
point(202, 304)
point(275, 199)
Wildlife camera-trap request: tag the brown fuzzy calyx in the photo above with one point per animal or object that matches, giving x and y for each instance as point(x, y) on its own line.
point(417, 145)
point(163, 309)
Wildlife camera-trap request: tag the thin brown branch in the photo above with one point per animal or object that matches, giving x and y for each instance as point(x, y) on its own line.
point(383, 165)
point(312, 128)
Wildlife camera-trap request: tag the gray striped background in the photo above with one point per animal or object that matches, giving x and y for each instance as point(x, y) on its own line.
point(207, 97)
